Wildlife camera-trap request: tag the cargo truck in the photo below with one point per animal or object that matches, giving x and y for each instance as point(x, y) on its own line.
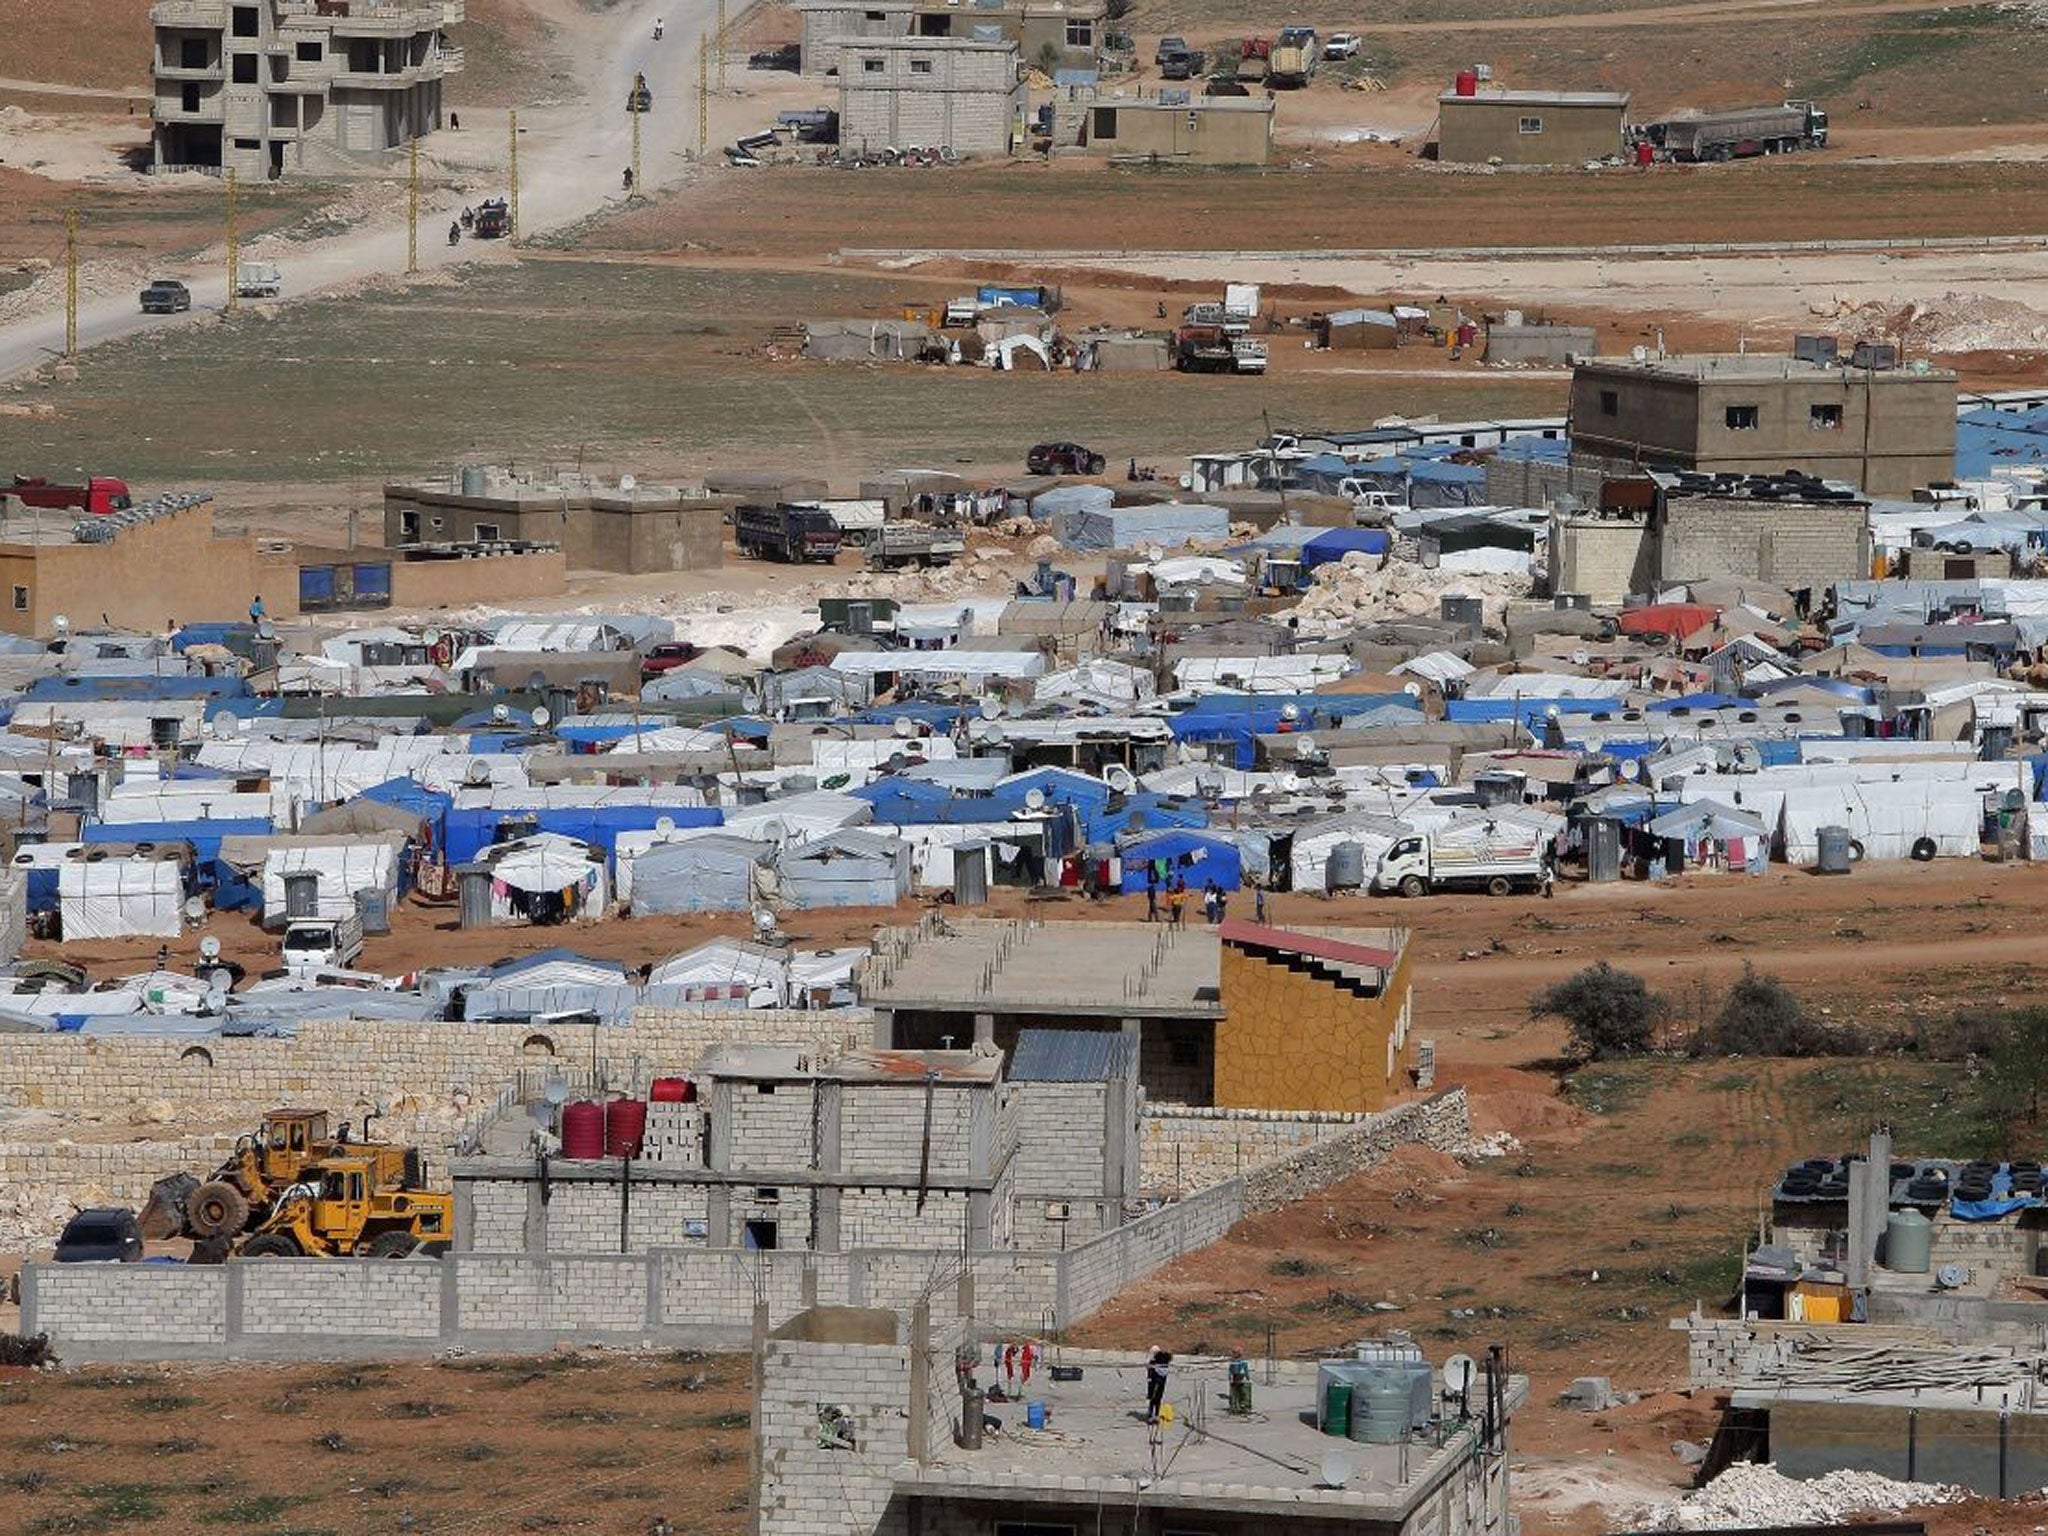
point(895, 545)
point(792, 534)
point(1743, 132)
point(100, 495)
point(1296, 53)
point(1504, 860)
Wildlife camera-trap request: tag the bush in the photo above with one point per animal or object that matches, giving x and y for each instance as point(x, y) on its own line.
point(1761, 1017)
point(1610, 1013)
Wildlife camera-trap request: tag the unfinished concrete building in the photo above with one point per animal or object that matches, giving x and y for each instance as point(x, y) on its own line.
point(1068, 34)
point(1236, 1016)
point(965, 94)
point(858, 1420)
point(265, 86)
point(628, 528)
point(1886, 430)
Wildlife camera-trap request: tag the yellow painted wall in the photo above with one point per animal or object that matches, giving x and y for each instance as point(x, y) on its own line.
point(1294, 1041)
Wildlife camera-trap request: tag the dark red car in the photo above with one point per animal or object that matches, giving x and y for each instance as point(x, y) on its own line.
point(668, 656)
point(1063, 459)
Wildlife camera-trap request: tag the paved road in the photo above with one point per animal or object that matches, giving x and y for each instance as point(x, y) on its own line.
point(570, 159)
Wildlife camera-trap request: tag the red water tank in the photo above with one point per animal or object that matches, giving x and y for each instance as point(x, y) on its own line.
point(583, 1129)
point(1467, 83)
point(625, 1127)
point(1645, 152)
point(671, 1090)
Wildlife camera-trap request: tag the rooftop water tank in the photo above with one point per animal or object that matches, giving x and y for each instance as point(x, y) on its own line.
point(1908, 1243)
point(583, 1129)
point(1834, 851)
point(473, 480)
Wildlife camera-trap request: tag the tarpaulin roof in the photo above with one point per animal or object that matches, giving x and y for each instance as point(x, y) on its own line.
point(1680, 619)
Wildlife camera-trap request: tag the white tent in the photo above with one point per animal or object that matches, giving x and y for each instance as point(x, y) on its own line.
point(341, 867)
point(1886, 821)
point(546, 872)
point(120, 899)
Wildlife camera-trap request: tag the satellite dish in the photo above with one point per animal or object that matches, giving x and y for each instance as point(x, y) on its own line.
point(478, 773)
point(540, 718)
point(556, 1092)
point(1631, 770)
point(60, 624)
point(664, 826)
point(1581, 658)
point(627, 483)
point(1289, 782)
point(1951, 1277)
point(500, 713)
point(990, 707)
point(209, 948)
point(1290, 711)
point(1120, 779)
point(543, 1114)
point(1304, 746)
point(1550, 712)
point(903, 726)
point(994, 735)
point(1459, 1373)
point(1639, 354)
point(897, 762)
point(1015, 709)
point(1034, 800)
point(195, 909)
point(217, 991)
point(1413, 690)
point(1335, 1469)
point(764, 921)
point(432, 637)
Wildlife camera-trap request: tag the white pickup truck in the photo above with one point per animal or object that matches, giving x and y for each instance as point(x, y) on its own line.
point(316, 944)
point(1502, 862)
point(258, 280)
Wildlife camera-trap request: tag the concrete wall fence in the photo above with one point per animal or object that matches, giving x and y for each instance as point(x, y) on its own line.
point(699, 1298)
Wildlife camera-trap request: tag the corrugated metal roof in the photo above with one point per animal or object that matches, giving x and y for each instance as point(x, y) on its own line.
point(1072, 1056)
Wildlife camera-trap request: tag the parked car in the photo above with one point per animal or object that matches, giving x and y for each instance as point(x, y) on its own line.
point(1184, 65)
point(1168, 47)
point(104, 1234)
point(166, 296)
point(668, 656)
point(1342, 45)
point(1063, 459)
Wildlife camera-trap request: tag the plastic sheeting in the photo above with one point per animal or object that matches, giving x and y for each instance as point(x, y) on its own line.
point(712, 873)
point(1169, 525)
point(120, 899)
point(341, 870)
point(845, 869)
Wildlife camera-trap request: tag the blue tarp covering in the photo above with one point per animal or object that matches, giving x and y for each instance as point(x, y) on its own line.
point(1239, 718)
point(1700, 701)
point(1197, 857)
point(1335, 543)
point(1153, 812)
point(1529, 711)
point(902, 800)
point(1990, 440)
point(1536, 450)
point(189, 635)
point(203, 837)
point(473, 829)
point(57, 690)
point(1060, 786)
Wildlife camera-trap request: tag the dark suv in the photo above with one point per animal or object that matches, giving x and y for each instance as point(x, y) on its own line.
point(105, 1234)
point(166, 296)
point(1063, 459)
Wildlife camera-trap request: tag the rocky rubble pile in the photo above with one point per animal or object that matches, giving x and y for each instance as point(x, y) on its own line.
point(1750, 1495)
point(1361, 589)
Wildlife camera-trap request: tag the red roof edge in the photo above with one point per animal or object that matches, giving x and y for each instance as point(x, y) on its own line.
point(1316, 946)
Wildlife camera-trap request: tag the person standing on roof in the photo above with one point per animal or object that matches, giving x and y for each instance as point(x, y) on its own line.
point(1151, 892)
point(1176, 899)
point(1156, 1362)
point(1259, 905)
point(256, 610)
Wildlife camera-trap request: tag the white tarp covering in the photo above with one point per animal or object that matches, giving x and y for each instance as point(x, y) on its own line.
point(1097, 678)
point(1260, 674)
point(325, 772)
point(932, 844)
point(1887, 820)
point(120, 899)
point(940, 666)
point(546, 865)
point(180, 800)
point(342, 868)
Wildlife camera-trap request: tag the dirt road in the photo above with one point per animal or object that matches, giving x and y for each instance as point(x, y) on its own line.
point(570, 158)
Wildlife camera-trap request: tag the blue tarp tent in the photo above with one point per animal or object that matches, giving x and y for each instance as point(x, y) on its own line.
point(471, 829)
point(1332, 544)
point(1152, 812)
point(1197, 857)
point(68, 688)
point(202, 837)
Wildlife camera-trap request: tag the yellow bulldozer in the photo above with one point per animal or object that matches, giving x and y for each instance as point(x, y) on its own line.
point(240, 1192)
point(362, 1200)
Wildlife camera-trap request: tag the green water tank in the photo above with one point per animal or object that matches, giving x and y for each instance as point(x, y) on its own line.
point(1908, 1243)
point(1337, 1407)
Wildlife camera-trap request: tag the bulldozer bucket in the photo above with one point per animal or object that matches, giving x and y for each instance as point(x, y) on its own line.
point(163, 1215)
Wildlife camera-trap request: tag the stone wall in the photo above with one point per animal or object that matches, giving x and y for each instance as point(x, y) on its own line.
point(1186, 1148)
point(1440, 1122)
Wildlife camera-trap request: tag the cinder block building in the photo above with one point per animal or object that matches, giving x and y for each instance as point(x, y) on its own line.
point(628, 528)
point(1888, 431)
point(1529, 127)
point(963, 93)
point(263, 86)
point(1067, 33)
point(1204, 130)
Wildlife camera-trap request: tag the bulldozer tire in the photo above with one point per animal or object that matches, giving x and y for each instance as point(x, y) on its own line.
point(392, 1245)
point(217, 1209)
point(270, 1245)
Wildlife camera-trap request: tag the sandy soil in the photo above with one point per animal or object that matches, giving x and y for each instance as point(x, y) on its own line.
point(586, 1442)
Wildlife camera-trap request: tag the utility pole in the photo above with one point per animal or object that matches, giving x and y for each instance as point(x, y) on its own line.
point(703, 95)
point(721, 44)
point(71, 282)
point(634, 190)
point(234, 244)
point(512, 204)
point(412, 208)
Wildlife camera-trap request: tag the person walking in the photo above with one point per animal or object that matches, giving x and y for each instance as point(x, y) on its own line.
point(256, 610)
point(1156, 1362)
point(1222, 906)
point(1209, 902)
point(1175, 900)
point(1259, 905)
point(1151, 892)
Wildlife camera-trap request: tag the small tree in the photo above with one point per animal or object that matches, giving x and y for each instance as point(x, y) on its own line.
point(1610, 1013)
point(1761, 1017)
point(1048, 60)
point(2017, 1073)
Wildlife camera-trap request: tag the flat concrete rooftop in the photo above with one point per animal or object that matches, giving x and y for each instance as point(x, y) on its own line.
point(1097, 1445)
point(980, 965)
point(1753, 366)
point(755, 1063)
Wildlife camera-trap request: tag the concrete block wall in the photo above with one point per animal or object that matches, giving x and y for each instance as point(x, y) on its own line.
point(1095, 1272)
point(810, 1491)
point(89, 1308)
point(1791, 547)
point(1060, 1136)
point(498, 1216)
point(882, 1128)
point(47, 1174)
point(585, 1295)
point(316, 1298)
point(1722, 1351)
point(1440, 1122)
point(890, 1218)
point(675, 1136)
point(772, 1132)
